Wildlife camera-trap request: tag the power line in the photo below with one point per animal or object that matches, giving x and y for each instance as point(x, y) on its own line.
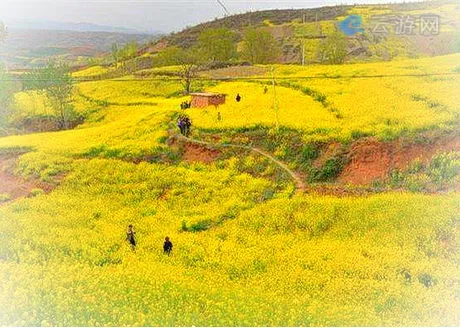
point(223, 6)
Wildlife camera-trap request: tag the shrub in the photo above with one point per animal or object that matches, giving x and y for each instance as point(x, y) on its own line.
point(417, 183)
point(309, 152)
point(4, 197)
point(36, 192)
point(330, 170)
point(427, 280)
point(200, 226)
point(444, 167)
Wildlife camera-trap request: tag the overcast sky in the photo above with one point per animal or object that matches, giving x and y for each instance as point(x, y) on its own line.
point(145, 15)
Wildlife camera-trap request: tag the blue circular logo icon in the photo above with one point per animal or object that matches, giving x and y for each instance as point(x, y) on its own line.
point(351, 25)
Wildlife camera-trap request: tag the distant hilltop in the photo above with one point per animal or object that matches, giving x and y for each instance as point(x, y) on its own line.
point(75, 27)
point(382, 37)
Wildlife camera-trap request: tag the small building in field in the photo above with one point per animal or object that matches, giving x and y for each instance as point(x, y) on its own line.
point(204, 99)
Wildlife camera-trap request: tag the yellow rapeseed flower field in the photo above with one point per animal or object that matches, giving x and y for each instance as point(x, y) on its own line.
point(91, 71)
point(245, 252)
point(341, 102)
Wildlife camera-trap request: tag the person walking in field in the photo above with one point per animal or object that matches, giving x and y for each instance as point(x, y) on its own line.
point(187, 123)
point(184, 124)
point(185, 105)
point(167, 246)
point(130, 237)
point(238, 98)
point(181, 125)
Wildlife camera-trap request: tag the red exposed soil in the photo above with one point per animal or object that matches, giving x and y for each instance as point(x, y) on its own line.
point(374, 160)
point(157, 47)
point(369, 160)
point(15, 186)
point(82, 51)
point(196, 153)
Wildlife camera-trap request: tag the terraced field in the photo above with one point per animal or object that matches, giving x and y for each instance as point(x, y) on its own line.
point(247, 250)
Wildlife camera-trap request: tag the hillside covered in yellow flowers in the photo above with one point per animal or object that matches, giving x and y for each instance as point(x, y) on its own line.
point(249, 249)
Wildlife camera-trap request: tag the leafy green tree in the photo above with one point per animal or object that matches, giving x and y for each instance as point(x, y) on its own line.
point(128, 56)
point(129, 50)
point(456, 42)
point(6, 85)
point(167, 57)
point(333, 49)
point(260, 47)
point(217, 45)
point(56, 83)
point(116, 53)
point(6, 97)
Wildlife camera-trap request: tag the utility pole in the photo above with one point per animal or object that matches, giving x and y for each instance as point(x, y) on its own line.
point(275, 99)
point(312, 36)
point(319, 27)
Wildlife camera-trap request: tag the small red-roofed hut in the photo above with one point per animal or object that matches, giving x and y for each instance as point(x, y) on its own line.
point(204, 99)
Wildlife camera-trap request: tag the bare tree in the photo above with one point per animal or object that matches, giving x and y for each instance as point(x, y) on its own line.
point(187, 59)
point(3, 32)
point(189, 62)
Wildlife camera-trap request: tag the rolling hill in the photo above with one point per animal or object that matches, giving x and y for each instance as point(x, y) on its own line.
point(249, 249)
point(27, 48)
point(297, 28)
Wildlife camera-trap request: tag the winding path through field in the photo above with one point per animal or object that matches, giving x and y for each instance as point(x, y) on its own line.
point(299, 184)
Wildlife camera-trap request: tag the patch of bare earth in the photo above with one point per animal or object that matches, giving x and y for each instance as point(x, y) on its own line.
point(16, 186)
point(236, 71)
point(193, 152)
point(370, 159)
point(199, 154)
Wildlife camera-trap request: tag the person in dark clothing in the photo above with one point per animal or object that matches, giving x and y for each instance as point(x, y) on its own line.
point(184, 124)
point(186, 105)
point(238, 98)
point(130, 237)
point(188, 126)
point(167, 246)
point(181, 125)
